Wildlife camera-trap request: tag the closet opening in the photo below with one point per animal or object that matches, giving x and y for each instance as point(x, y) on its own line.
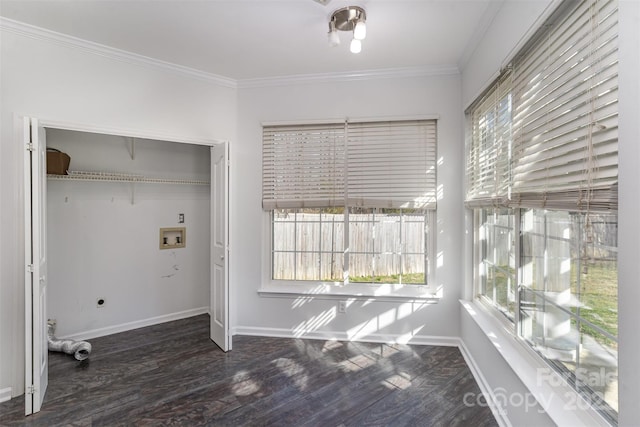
point(106, 242)
point(107, 272)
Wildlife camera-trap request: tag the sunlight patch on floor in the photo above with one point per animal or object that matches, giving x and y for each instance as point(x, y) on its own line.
point(384, 350)
point(243, 385)
point(398, 381)
point(348, 366)
point(293, 370)
point(363, 361)
point(356, 363)
point(331, 345)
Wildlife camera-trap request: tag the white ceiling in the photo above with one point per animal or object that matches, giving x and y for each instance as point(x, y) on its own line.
point(248, 39)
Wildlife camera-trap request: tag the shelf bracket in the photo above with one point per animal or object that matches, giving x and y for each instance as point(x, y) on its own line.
point(131, 146)
point(133, 193)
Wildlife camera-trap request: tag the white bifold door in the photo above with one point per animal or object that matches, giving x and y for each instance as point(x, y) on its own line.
point(219, 305)
point(36, 345)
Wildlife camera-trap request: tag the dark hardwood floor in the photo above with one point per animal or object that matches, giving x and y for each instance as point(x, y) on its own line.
point(172, 374)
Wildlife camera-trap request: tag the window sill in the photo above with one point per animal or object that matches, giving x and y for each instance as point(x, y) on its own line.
point(560, 401)
point(355, 291)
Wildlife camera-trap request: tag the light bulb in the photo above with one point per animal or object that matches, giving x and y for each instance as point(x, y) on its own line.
point(360, 31)
point(334, 39)
point(356, 46)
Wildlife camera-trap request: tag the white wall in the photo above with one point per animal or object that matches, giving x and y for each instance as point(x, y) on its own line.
point(60, 82)
point(516, 18)
point(406, 96)
point(508, 28)
point(101, 245)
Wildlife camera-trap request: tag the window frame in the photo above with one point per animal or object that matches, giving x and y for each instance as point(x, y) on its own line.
point(353, 290)
point(511, 323)
point(575, 382)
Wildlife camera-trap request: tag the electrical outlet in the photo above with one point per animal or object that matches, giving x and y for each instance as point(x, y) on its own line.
point(342, 307)
point(181, 218)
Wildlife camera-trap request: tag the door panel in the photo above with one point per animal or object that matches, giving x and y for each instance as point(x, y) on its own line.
point(36, 351)
point(219, 304)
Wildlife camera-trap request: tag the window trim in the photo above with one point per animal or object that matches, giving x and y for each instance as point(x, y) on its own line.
point(430, 292)
point(552, 392)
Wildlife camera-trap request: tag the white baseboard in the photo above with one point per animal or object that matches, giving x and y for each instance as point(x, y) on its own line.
point(498, 413)
point(343, 336)
point(5, 394)
point(108, 330)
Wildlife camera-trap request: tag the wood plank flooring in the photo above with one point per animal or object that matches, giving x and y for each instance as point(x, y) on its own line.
point(172, 374)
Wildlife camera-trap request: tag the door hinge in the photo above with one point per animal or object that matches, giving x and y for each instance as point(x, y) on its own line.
point(29, 268)
point(31, 389)
point(30, 146)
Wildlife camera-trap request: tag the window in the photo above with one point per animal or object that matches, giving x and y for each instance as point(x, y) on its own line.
point(497, 263)
point(488, 157)
point(351, 203)
point(560, 293)
point(542, 181)
point(569, 300)
point(385, 245)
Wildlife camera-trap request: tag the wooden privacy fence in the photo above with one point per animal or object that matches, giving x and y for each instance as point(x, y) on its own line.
point(552, 247)
point(309, 246)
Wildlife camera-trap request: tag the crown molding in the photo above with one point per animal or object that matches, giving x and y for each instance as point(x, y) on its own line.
point(31, 31)
point(38, 33)
point(350, 76)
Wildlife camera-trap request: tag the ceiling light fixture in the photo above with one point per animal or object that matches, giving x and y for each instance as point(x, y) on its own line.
point(350, 18)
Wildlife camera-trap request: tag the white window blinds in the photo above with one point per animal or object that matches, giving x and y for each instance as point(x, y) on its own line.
point(488, 154)
point(389, 164)
point(565, 121)
point(392, 164)
point(303, 166)
point(557, 148)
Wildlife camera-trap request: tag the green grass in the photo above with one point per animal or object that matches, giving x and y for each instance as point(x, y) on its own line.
point(500, 280)
point(411, 278)
point(599, 294)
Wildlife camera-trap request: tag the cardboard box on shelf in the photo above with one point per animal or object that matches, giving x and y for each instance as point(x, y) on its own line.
point(57, 162)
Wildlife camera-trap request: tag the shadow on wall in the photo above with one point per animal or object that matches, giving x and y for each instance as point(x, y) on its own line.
point(365, 329)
